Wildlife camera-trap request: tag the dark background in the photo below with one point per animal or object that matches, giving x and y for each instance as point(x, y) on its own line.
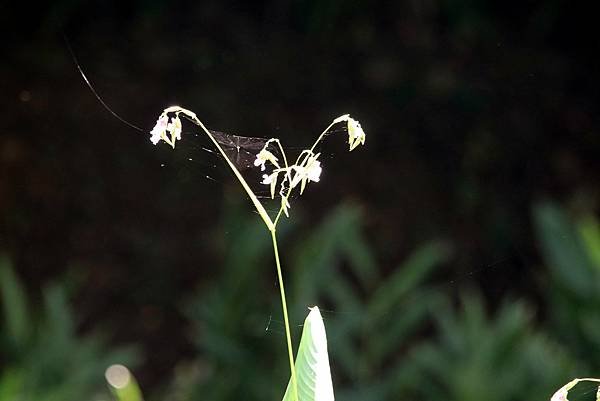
point(473, 111)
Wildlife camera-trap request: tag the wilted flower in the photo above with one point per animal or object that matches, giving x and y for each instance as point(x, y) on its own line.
point(356, 135)
point(272, 181)
point(159, 130)
point(265, 156)
point(163, 126)
point(174, 128)
point(313, 171)
point(310, 171)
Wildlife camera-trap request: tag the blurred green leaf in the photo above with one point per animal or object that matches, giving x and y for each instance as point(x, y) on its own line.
point(57, 364)
point(408, 276)
point(474, 357)
point(564, 250)
point(14, 305)
point(589, 228)
point(569, 248)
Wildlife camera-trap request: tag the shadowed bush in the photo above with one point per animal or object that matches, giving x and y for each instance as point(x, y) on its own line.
point(43, 358)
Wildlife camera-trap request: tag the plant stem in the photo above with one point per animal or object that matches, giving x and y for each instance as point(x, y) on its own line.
point(259, 207)
point(285, 317)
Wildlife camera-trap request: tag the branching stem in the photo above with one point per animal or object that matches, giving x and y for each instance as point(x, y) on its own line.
point(303, 162)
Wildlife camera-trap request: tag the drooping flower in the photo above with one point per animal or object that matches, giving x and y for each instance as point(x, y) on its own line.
point(174, 129)
point(272, 181)
point(164, 127)
point(313, 171)
point(356, 135)
point(265, 156)
point(159, 130)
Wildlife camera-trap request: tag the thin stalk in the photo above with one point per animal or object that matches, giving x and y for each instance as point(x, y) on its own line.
point(259, 207)
point(286, 320)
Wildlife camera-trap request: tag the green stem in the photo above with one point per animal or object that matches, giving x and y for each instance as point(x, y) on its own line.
point(259, 207)
point(288, 335)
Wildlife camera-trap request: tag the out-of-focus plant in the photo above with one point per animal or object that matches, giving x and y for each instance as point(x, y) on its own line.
point(42, 357)
point(368, 331)
point(474, 357)
point(229, 321)
point(312, 367)
point(571, 248)
point(374, 316)
point(284, 178)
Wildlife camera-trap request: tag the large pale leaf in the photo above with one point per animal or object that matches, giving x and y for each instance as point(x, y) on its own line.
point(312, 363)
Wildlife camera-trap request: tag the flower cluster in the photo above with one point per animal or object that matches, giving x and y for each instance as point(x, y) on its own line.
point(307, 167)
point(165, 130)
point(306, 170)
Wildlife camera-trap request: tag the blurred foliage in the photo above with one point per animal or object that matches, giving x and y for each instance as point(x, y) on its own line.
point(229, 322)
point(373, 315)
point(570, 247)
point(381, 342)
point(375, 321)
point(43, 357)
point(332, 267)
point(474, 356)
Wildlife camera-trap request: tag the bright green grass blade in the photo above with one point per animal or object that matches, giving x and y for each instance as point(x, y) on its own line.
point(312, 363)
point(122, 383)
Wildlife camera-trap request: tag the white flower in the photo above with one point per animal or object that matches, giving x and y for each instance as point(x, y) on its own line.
point(174, 128)
point(272, 181)
point(308, 170)
point(356, 135)
point(163, 126)
point(267, 179)
point(313, 171)
point(265, 156)
point(159, 130)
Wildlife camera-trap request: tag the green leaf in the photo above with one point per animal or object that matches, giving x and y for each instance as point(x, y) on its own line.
point(312, 363)
point(14, 304)
point(563, 249)
point(408, 277)
point(589, 228)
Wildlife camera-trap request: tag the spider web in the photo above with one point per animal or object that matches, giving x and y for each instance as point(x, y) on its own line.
point(197, 155)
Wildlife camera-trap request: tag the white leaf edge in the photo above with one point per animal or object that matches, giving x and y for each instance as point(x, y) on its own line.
point(312, 362)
